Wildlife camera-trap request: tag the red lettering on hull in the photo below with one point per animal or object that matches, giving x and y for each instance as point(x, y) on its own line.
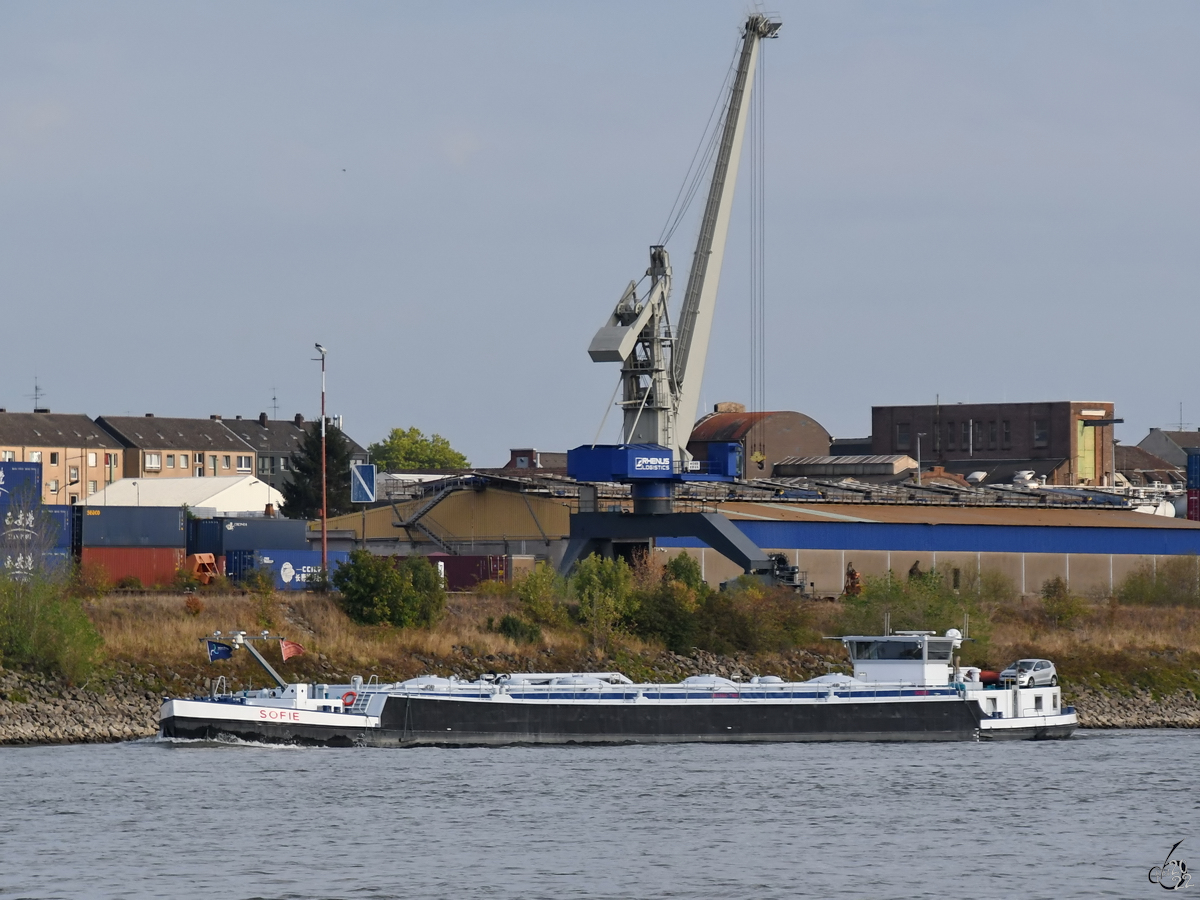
point(281, 715)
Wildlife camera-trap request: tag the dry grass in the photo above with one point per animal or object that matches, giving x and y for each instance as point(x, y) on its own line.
point(160, 630)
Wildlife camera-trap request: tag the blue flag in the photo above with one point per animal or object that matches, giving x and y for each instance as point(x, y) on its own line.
point(219, 651)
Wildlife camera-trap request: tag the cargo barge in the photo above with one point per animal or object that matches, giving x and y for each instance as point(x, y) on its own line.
point(904, 688)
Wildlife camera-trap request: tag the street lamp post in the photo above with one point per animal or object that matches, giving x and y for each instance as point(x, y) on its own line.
point(920, 434)
point(324, 487)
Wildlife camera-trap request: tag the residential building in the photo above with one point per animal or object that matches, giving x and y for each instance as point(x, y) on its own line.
point(766, 437)
point(1142, 468)
point(179, 448)
point(1170, 445)
point(1064, 441)
point(78, 458)
point(275, 440)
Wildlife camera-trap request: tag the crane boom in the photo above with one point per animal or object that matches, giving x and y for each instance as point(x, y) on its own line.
point(661, 372)
point(700, 297)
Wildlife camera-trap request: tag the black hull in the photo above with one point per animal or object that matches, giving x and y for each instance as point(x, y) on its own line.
point(416, 721)
point(1035, 733)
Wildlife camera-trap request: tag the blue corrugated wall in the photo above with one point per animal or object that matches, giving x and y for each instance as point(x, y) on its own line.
point(962, 538)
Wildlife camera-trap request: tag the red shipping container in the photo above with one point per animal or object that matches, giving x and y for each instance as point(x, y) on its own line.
point(1194, 504)
point(150, 565)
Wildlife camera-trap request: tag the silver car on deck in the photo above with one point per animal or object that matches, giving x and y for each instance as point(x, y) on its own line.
point(1031, 673)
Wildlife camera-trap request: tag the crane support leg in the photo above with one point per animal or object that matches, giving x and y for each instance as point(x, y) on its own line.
point(595, 531)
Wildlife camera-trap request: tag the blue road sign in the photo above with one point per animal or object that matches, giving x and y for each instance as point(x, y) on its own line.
point(362, 484)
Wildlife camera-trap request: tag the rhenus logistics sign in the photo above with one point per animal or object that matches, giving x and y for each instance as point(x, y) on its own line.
point(652, 463)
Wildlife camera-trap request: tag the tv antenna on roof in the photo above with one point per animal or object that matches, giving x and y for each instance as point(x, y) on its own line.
point(274, 404)
point(37, 394)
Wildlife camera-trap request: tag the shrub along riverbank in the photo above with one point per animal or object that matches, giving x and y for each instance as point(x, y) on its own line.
point(95, 667)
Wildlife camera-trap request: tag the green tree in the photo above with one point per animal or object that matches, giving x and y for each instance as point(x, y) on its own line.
point(412, 450)
point(539, 593)
point(604, 588)
point(378, 590)
point(1061, 607)
point(302, 494)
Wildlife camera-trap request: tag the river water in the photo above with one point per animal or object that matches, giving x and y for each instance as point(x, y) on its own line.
point(1081, 818)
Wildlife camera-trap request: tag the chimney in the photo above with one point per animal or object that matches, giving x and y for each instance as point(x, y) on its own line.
point(149, 415)
point(237, 418)
point(269, 512)
point(215, 418)
point(299, 420)
point(2, 409)
point(262, 419)
point(729, 408)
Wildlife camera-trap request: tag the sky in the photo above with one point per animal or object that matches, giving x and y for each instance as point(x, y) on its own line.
point(969, 201)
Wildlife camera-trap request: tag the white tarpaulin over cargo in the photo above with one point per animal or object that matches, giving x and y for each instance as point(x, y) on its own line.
point(223, 496)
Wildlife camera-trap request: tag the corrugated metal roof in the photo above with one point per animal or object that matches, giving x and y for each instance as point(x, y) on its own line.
point(948, 515)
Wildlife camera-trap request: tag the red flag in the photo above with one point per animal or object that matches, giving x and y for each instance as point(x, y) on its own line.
point(289, 649)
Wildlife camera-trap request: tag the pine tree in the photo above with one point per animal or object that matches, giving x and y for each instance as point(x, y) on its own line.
point(302, 495)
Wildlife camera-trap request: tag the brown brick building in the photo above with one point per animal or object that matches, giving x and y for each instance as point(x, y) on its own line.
point(1053, 439)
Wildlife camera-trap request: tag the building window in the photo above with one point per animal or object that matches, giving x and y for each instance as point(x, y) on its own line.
point(283, 464)
point(966, 436)
point(949, 435)
point(1006, 434)
point(35, 455)
point(244, 463)
point(74, 499)
point(91, 460)
point(53, 485)
point(8, 456)
point(91, 487)
point(200, 459)
point(153, 460)
point(224, 462)
point(212, 461)
point(73, 475)
point(264, 463)
point(977, 436)
point(1041, 433)
point(992, 435)
point(200, 470)
point(902, 436)
point(54, 459)
point(170, 460)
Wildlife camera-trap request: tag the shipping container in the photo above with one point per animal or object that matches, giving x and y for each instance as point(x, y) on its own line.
point(462, 573)
point(1193, 503)
point(152, 566)
point(23, 564)
point(293, 569)
point(1193, 468)
point(20, 482)
point(220, 535)
point(238, 563)
point(43, 527)
point(130, 526)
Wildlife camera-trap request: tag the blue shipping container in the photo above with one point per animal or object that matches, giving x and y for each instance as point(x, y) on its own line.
point(220, 536)
point(20, 482)
point(237, 562)
point(43, 527)
point(1193, 468)
point(21, 565)
point(130, 526)
point(294, 568)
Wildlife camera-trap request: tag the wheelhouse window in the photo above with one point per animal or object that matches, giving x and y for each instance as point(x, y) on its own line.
point(939, 651)
point(885, 649)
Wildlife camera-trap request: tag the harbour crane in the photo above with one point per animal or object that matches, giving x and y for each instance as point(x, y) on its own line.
point(662, 369)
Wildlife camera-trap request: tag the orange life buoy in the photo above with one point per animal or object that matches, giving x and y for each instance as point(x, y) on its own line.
point(348, 698)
